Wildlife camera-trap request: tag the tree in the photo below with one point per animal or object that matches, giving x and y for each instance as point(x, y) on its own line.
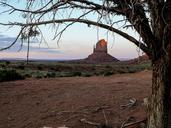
point(151, 19)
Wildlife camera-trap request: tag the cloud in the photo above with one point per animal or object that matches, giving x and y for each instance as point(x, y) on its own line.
point(1, 35)
point(6, 41)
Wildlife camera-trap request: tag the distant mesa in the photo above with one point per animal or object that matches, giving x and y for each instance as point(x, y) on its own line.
point(100, 54)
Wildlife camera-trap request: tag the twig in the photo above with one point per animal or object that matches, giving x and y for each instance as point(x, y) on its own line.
point(105, 117)
point(125, 122)
point(98, 125)
point(89, 122)
point(1, 49)
point(75, 116)
point(134, 123)
point(100, 108)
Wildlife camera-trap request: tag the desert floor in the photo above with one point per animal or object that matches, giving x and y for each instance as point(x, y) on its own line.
point(38, 103)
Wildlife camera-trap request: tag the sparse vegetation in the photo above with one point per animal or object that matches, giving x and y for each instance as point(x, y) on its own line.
point(9, 75)
point(40, 67)
point(54, 69)
point(51, 75)
point(109, 73)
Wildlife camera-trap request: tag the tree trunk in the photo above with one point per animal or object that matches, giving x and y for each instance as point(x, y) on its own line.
point(160, 107)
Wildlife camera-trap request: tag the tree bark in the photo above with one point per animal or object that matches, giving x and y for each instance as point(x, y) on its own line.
point(160, 106)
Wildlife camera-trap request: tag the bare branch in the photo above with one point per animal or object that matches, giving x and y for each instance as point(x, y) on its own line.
point(88, 22)
point(1, 49)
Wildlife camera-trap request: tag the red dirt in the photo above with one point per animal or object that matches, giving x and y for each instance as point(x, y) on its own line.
point(35, 103)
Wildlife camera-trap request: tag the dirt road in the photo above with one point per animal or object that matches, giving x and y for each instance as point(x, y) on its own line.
point(36, 103)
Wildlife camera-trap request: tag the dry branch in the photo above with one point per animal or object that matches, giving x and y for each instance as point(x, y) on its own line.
point(98, 125)
point(88, 22)
point(126, 125)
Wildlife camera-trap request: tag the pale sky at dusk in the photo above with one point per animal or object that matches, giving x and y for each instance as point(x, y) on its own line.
point(76, 43)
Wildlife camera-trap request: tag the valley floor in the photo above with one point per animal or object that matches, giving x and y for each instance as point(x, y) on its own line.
point(36, 103)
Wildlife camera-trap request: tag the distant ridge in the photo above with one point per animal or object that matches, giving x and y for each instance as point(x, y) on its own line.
point(141, 59)
point(32, 59)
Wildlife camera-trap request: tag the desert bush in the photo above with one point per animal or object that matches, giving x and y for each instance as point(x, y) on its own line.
point(133, 70)
point(52, 68)
point(87, 74)
point(27, 75)
point(69, 74)
point(9, 75)
point(121, 71)
point(145, 66)
point(39, 76)
point(76, 73)
point(108, 66)
point(96, 73)
point(109, 73)
point(7, 62)
point(2, 65)
point(22, 67)
point(51, 74)
point(40, 67)
point(65, 74)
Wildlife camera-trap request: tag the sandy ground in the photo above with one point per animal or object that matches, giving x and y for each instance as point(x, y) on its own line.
point(36, 103)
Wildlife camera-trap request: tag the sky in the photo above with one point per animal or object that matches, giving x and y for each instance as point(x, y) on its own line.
point(76, 42)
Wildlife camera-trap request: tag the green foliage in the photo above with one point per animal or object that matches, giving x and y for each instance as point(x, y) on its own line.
point(2, 65)
point(9, 75)
point(77, 73)
point(27, 75)
point(70, 74)
point(40, 67)
point(51, 75)
point(55, 69)
point(108, 67)
point(87, 74)
point(22, 67)
point(109, 73)
point(7, 62)
point(39, 74)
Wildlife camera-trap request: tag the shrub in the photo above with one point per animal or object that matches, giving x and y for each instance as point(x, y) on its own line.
point(51, 74)
point(7, 62)
point(108, 66)
point(133, 70)
point(76, 73)
point(38, 76)
point(40, 67)
point(87, 74)
point(97, 73)
point(9, 75)
point(108, 73)
point(22, 67)
point(3, 65)
point(27, 75)
point(121, 71)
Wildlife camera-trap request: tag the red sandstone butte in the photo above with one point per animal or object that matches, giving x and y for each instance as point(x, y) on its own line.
point(100, 53)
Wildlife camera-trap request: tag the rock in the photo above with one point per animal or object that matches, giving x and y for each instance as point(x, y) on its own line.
point(100, 53)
